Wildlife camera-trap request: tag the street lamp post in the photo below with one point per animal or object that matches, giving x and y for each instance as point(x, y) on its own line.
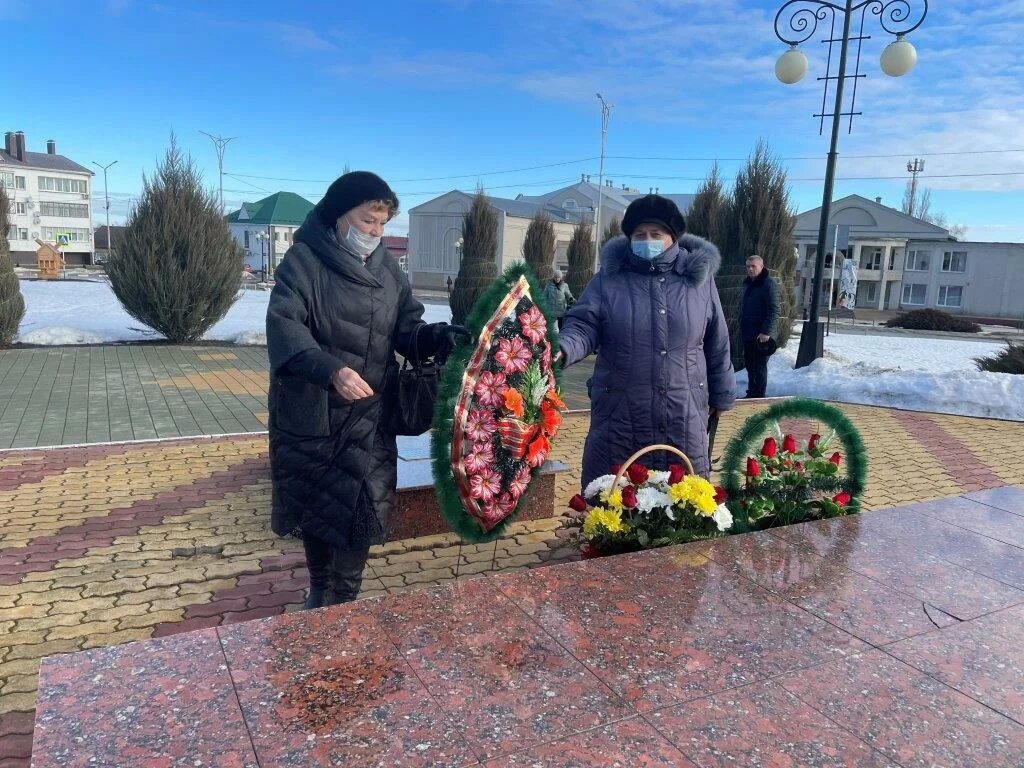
point(795, 23)
point(262, 237)
point(106, 204)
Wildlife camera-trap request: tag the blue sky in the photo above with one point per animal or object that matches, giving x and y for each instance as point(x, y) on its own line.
point(422, 90)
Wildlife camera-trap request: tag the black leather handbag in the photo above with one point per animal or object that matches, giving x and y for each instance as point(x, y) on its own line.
point(417, 390)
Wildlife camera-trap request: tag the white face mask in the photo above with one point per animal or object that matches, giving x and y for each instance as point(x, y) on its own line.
point(360, 242)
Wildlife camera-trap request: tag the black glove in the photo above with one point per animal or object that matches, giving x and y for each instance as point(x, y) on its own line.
point(437, 340)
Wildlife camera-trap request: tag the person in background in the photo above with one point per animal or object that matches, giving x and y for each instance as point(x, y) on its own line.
point(340, 309)
point(759, 321)
point(664, 366)
point(558, 297)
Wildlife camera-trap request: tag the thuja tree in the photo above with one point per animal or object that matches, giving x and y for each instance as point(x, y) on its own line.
point(580, 256)
point(762, 224)
point(12, 304)
point(178, 268)
point(478, 266)
point(539, 246)
point(613, 229)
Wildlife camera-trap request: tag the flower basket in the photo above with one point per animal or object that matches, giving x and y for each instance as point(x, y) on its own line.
point(516, 435)
point(637, 508)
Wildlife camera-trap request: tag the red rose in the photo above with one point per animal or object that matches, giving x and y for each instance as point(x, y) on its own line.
point(720, 495)
point(588, 551)
point(753, 468)
point(676, 472)
point(835, 458)
point(842, 498)
point(578, 503)
point(770, 448)
point(789, 444)
point(799, 466)
point(813, 442)
point(629, 497)
point(637, 474)
point(616, 468)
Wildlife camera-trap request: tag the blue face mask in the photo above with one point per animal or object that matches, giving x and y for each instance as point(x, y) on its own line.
point(648, 250)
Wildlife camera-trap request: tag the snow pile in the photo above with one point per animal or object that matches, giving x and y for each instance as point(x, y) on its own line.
point(86, 312)
point(935, 375)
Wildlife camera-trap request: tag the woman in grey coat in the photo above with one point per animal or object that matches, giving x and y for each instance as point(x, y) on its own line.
point(558, 297)
point(654, 312)
point(340, 309)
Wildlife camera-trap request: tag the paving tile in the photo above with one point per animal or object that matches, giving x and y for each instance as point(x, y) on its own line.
point(991, 521)
point(87, 715)
point(913, 719)
point(1009, 498)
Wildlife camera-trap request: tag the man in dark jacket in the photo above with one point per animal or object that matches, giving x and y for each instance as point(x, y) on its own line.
point(759, 320)
point(654, 312)
point(340, 309)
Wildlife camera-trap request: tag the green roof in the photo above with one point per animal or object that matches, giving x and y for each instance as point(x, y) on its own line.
point(279, 209)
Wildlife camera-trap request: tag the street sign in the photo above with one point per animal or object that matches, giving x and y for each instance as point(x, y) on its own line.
point(63, 239)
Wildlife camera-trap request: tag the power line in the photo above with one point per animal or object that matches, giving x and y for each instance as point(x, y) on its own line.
point(816, 157)
point(818, 178)
point(421, 193)
point(424, 178)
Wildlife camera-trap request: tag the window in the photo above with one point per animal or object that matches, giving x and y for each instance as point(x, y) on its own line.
point(17, 208)
point(7, 180)
point(950, 295)
point(247, 238)
point(918, 261)
point(954, 261)
point(569, 205)
point(23, 234)
point(828, 259)
point(892, 259)
point(871, 292)
point(68, 210)
point(17, 233)
point(871, 258)
point(19, 182)
point(57, 184)
point(277, 236)
point(914, 293)
point(49, 234)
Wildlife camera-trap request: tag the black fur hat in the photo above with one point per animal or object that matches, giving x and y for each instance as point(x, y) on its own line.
point(352, 190)
point(655, 209)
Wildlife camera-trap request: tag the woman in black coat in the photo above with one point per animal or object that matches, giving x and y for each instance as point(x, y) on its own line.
point(340, 309)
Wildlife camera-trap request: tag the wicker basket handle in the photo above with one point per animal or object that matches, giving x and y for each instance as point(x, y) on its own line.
point(650, 449)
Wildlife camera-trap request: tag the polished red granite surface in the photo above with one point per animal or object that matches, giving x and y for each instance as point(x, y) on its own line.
point(891, 639)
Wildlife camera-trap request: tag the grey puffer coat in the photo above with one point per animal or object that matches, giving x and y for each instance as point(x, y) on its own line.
point(664, 353)
point(333, 463)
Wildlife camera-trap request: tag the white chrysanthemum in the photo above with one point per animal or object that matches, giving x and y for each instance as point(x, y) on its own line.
point(722, 517)
point(602, 484)
point(658, 477)
point(650, 498)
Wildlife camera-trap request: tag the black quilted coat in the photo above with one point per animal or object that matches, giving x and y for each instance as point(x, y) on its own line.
point(334, 464)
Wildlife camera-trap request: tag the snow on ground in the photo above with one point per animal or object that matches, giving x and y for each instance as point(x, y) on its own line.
point(85, 312)
point(918, 374)
point(903, 371)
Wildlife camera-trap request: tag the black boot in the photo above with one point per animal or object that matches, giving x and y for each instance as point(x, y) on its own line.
point(318, 562)
point(346, 575)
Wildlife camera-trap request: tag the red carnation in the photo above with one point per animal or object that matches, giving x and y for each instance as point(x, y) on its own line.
point(770, 448)
point(789, 444)
point(835, 458)
point(637, 474)
point(720, 495)
point(842, 498)
point(629, 497)
point(616, 468)
point(813, 442)
point(676, 472)
point(578, 503)
point(753, 468)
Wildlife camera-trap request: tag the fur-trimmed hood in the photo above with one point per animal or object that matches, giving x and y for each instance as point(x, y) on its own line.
point(698, 259)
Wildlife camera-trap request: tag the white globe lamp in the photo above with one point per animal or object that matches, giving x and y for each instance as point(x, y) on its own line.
point(899, 57)
point(791, 66)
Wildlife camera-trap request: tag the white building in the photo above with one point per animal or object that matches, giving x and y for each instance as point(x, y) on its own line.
point(265, 228)
point(982, 280)
point(435, 227)
point(50, 198)
point(877, 242)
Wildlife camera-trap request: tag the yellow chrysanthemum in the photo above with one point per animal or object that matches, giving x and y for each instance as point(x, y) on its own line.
point(615, 499)
point(602, 517)
point(697, 492)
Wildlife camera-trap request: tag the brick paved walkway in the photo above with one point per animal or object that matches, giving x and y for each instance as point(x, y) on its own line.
point(77, 395)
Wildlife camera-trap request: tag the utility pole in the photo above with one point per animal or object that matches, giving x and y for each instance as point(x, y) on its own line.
point(914, 167)
point(606, 110)
point(220, 142)
point(106, 201)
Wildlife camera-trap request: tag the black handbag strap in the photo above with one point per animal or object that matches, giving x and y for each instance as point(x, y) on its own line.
point(414, 350)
